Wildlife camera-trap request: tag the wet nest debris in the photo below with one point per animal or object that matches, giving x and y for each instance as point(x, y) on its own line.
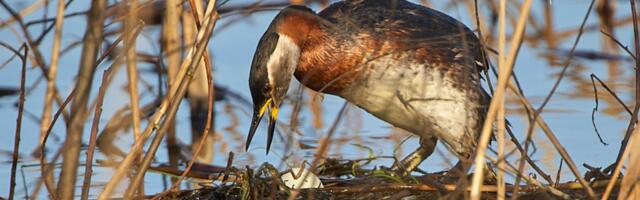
point(342, 179)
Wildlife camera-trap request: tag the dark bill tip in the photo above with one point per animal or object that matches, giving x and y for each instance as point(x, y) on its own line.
point(272, 128)
point(273, 116)
point(255, 121)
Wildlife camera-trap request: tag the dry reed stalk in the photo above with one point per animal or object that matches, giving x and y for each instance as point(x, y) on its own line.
point(539, 121)
point(626, 49)
point(502, 38)
point(111, 126)
point(606, 10)
point(636, 39)
point(153, 124)
point(16, 140)
point(617, 99)
point(472, 7)
point(296, 106)
point(635, 162)
point(202, 41)
point(198, 93)
point(45, 20)
point(554, 140)
point(24, 12)
point(196, 10)
point(132, 69)
point(401, 186)
point(515, 89)
point(205, 135)
point(549, 33)
point(52, 73)
point(322, 149)
point(187, 66)
point(171, 38)
point(136, 148)
point(107, 78)
point(38, 59)
point(630, 129)
point(131, 20)
point(616, 171)
point(203, 139)
point(500, 139)
point(503, 77)
point(48, 177)
point(511, 169)
point(92, 41)
point(45, 169)
point(452, 187)
point(630, 186)
point(171, 45)
point(23, 59)
point(86, 184)
point(558, 173)
point(45, 122)
point(315, 107)
point(118, 120)
point(629, 135)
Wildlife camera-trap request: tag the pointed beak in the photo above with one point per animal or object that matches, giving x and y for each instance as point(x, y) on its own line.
point(258, 113)
point(273, 116)
point(273, 66)
point(255, 121)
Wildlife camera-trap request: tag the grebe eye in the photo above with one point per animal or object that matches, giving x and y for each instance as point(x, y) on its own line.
point(266, 89)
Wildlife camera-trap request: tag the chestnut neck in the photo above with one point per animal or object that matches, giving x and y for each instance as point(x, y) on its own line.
point(321, 61)
point(299, 25)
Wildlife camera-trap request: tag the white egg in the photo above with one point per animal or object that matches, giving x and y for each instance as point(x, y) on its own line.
point(306, 179)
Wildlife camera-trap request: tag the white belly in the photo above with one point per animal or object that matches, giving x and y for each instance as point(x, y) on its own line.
point(421, 100)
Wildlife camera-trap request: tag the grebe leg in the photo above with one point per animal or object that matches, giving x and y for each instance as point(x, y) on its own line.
point(409, 163)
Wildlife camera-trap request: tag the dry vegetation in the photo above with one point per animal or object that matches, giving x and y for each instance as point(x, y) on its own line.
point(184, 71)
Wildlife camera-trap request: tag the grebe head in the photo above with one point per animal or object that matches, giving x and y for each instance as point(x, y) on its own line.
point(274, 62)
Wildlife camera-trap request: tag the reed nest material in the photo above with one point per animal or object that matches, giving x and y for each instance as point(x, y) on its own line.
point(341, 183)
point(345, 179)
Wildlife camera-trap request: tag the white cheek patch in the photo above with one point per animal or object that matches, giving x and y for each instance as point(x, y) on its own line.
point(283, 61)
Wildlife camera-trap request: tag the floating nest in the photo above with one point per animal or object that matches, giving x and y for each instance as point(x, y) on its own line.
point(343, 179)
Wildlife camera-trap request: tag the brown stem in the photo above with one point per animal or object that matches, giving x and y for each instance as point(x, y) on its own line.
point(624, 149)
point(16, 141)
point(205, 134)
point(46, 170)
point(203, 40)
point(132, 70)
point(504, 74)
point(94, 134)
point(93, 39)
point(52, 73)
point(171, 45)
point(197, 96)
point(563, 152)
point(323, 147)
point(39, 59)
